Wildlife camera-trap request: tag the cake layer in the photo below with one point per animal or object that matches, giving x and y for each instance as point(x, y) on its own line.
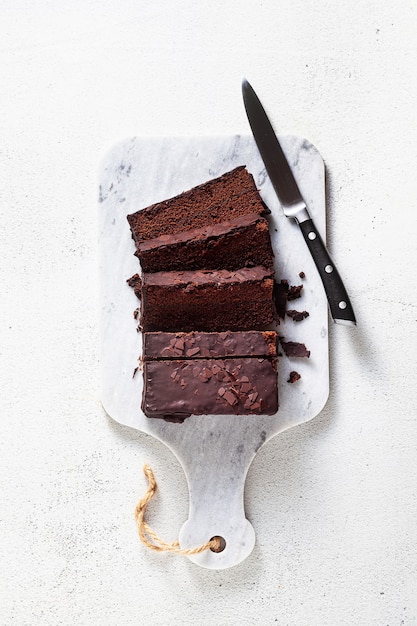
point(176, 389)
point(243, 241)
point(223, 198)
point(199, 345)
point(204, 300)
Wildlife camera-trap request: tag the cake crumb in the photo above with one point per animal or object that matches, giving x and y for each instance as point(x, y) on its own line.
point(135, 282)
point(297, 316)
point(294, 292)
point(294, 376)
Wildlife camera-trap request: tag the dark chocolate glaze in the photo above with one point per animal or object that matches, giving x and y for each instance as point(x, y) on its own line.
point(177, 389)
point(205, 277)
point(199, 345)
point(204, 232)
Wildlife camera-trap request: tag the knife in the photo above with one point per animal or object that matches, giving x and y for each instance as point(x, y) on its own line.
point(293, 205)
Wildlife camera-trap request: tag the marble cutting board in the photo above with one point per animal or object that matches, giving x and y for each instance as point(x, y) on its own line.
point(214, 451)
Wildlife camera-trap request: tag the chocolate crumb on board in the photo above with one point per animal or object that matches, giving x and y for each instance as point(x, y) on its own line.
point(294, 349)
point(294, 292)
point(294, 376)
point(297, 316)
point(302, 275)
point(135, 282)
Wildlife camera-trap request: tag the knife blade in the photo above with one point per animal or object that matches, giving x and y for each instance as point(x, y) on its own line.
point(294, 206)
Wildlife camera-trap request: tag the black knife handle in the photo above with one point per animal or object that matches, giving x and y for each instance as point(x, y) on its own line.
point(339, 303)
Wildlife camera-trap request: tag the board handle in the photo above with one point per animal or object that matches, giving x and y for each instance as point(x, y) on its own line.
point(217, 510)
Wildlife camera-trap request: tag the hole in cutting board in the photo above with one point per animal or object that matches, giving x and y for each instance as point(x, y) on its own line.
point(221, 544)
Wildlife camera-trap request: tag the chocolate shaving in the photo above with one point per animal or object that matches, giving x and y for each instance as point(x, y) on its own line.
point(192, 351)
point(179, 344)
point(230, 397)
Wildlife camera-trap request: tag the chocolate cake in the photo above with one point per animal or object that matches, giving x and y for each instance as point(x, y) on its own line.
point(202, 345)
point(206, 291)
point(217, 225)
point(176, 389)
point(206, 300)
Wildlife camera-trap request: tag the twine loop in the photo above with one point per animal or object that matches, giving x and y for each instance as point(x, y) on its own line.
point(150, 539)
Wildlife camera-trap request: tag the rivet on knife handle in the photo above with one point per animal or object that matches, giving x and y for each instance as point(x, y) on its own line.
point(293, 204)
point(337, 297)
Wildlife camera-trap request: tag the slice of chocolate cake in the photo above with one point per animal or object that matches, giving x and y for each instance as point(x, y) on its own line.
point(206, 292)
point(242, 242)
point(205, 300)
point(203, 345)
point(217, 225)
point(201, 373)
point(176, 389)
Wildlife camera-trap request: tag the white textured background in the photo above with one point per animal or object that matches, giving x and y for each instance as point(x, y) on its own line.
point(333, 502)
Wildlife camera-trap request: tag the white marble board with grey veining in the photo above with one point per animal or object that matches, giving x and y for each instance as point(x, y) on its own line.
point(214, 451)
